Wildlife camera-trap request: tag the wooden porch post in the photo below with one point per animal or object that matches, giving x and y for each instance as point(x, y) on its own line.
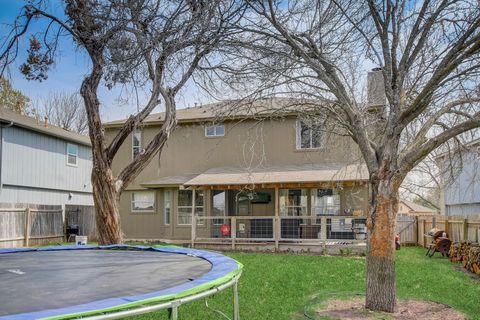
point(323, 228)
point(233, 231)
point(276, 219)
point(194, 220)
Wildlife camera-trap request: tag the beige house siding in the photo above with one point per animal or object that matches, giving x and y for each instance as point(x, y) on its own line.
point(246, 144)
point(151, 225)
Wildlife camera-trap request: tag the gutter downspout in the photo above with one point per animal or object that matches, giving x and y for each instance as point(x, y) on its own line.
point(1, 151)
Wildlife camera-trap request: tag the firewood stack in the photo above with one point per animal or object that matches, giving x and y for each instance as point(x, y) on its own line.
point(466, 253)
point(458, 251)
point(454, 253)
point(471, 260)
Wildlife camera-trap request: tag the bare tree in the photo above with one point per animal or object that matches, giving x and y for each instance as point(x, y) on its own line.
point(427, 55)
point(152, 43)
point(425, 182)
point(64, 110)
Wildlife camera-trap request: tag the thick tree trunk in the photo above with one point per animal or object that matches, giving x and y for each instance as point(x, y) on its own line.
point(106, 193)
point(380, 291)
point(106, 200)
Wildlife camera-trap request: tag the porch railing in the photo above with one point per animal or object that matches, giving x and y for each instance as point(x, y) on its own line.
point(238, 229)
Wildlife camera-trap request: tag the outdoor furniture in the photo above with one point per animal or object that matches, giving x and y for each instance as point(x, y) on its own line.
point(72, 231)
point(441, 243)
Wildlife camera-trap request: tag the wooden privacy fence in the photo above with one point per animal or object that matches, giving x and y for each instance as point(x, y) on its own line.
point(414, 230)
point(458, 228)
point(27, 227)
point(84, 218)
point(407, 228)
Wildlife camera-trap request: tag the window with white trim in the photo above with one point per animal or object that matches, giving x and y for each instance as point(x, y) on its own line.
point(185, 204)
point(72, 154)
point(217, 130)
point(309, 136)
point(325, 202)
point(136, 144)
point(143, 201)
point(293, 202)
point(167, 201)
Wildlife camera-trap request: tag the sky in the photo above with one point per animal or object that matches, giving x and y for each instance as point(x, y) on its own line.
point(70, 69)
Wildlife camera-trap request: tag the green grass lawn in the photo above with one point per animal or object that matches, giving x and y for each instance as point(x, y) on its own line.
point(279, 286)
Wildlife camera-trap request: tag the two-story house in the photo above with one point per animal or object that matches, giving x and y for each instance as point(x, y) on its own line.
point(461, 193)
point(256, 171)
point(41, 164)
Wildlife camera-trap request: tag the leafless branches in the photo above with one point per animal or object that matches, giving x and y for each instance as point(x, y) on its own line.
point(428, 53)
point(156, 44)
point(64, 110)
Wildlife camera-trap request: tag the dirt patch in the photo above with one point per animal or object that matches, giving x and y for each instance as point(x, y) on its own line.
point(468, 273)
point(353, 309)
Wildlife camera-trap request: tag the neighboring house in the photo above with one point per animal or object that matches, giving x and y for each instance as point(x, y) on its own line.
point(261, 169)
point(461, 194)
point(406, 207)
point(41, 164)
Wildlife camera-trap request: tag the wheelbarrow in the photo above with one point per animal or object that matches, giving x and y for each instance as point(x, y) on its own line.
point(441, 243)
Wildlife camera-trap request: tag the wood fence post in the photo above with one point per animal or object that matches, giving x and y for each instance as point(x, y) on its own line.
point(27, 227)
point(64, 218)
point(447, 227)
point(233, 231)
point(423, 232)
point(465, 229)
point(415, 228)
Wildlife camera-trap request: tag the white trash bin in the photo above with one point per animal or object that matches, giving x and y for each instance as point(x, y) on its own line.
point(81, 240)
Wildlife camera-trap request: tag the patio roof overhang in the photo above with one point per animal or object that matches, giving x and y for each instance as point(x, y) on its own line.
point(169, 181)
point(281, 176)
point(305, 176)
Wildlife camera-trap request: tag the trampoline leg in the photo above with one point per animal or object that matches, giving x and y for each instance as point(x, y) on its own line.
point(236, 307)
point(173, 313)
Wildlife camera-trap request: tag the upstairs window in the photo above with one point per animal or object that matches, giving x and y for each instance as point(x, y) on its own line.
point(309, 136)
point(143, 201)
point(72, 154)
point(217, 130)
point(136, 144)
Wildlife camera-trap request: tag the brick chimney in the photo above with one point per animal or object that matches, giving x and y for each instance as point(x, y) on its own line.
point(46, 122)
point(375, 91)
point(376, 101)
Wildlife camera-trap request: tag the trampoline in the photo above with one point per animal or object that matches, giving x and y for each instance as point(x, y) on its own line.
point(109, 282)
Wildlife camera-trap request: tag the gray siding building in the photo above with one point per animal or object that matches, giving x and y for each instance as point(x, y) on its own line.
point(42, 164)
point(462, 195)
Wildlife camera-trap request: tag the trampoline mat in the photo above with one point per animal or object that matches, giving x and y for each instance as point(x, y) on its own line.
point(42, 280)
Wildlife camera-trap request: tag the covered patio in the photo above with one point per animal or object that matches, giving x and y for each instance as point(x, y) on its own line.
point(278, 207)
